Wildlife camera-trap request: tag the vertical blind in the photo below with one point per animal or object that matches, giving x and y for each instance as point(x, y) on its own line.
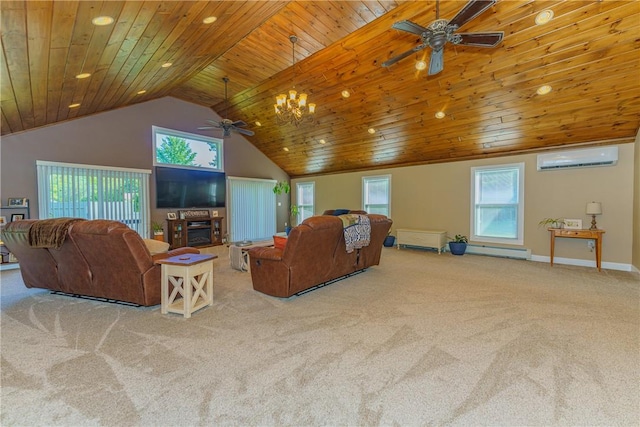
point(251, 209)
point(92, 192)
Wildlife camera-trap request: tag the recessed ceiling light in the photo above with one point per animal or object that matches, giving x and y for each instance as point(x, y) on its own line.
point(166, 65)
point(440, 115)
point(83, 75)
point(371, 131)
point(141, 92)
point(544, 17)
point(543, 90)
point(322, 141)
point(209, 19)
point(74, 105)
point(258, 124)
point(285, 149)
point(346, 93)
point(102, 20)
point(421, 65)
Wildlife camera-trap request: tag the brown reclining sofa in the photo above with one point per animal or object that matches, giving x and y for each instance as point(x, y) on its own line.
point(315, 253)
point(98, 258)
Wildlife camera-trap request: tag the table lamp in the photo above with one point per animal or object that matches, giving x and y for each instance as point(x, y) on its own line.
point(593, 209)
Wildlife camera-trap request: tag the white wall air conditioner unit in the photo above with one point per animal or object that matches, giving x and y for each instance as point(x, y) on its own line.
point(581, 158)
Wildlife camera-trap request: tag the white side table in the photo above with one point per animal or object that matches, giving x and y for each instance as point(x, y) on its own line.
point(192, 278)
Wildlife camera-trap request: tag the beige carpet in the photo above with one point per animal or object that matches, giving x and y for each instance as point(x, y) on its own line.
point(422, 339)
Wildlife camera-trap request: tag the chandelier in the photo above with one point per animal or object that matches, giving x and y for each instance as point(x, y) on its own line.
point(293, 108)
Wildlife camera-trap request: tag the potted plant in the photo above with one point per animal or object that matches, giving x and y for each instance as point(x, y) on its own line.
point(158, 231)
point(389, 240)
point(458, 245)
point(294, 215)
point(282, 187)
point(552, 223)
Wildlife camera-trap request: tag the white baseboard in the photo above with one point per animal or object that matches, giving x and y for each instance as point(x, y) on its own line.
point(583, 262)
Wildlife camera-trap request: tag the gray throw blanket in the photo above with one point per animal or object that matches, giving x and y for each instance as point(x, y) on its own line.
point(50, 233)
point(357, 231)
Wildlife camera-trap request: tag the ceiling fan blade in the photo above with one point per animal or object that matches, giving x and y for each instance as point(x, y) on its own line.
point(409, 26)
point(436, 64)
point(392, 61)
point(481, 39)
point(207, 127)
point(244, 131)
point(239, 123)
point(470, 11)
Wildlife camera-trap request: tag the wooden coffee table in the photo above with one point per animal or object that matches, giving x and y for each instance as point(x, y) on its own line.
point(192, 278)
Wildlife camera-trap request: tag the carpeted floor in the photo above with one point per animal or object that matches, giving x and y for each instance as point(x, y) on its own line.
point(422, 339)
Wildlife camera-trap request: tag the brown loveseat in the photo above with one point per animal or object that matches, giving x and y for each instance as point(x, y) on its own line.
point(315, 254)
point(98, 258)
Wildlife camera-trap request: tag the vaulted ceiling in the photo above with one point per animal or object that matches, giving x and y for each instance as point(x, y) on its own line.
point(589, 54)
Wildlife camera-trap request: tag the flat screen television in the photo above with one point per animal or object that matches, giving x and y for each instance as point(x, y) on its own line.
point(189, 188)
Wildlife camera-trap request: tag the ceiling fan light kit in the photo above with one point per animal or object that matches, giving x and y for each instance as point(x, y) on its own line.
point(441, 31)
point(294, 108)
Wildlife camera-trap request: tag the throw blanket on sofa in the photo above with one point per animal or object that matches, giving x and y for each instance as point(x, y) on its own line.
point(357, 231)
point(50, 233)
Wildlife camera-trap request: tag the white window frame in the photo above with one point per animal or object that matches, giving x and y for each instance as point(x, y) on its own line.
point(188, 137)
point(82, 201)
point(519, 239)
point(299, 187)
point(365, 181)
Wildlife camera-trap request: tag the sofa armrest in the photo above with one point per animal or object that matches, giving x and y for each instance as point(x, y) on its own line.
point(274, 254)
point(175, 252)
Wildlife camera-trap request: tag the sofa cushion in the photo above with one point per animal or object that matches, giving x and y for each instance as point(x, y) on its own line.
point(156, 246)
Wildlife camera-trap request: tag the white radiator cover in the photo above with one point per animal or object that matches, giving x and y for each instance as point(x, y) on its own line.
point(516, 253)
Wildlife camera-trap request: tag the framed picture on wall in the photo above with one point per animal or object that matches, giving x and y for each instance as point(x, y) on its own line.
point(573, 224)
point(17, 202)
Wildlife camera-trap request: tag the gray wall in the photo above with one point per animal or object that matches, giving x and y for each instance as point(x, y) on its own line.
point(121, 138)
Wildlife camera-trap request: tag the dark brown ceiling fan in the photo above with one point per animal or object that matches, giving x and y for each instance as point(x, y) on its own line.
point(441, 31)
point(228, 125)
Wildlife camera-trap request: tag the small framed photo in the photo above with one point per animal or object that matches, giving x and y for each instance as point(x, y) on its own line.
point(171, 215)
point(17, 202)
point(3, 221)
point(214, 213)
point(573, 224)
point(17, 217)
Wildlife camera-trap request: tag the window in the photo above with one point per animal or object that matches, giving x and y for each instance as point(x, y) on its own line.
point(91, 192)
point(497, 204)
point(376, 192)
point(175, 148)
point(252, 209)
point(305, 197)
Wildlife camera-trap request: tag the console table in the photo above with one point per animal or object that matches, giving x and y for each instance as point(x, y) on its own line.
point(195, 232)
point(579, 234)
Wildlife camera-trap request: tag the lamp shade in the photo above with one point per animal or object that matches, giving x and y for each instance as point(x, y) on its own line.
point(594, 208)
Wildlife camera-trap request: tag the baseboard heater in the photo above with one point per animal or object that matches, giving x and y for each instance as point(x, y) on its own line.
point(499, 252)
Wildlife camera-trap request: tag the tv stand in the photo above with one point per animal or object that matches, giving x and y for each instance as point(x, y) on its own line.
point(195, 232)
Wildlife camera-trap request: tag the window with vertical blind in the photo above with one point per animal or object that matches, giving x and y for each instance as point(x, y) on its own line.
point(376, 194)
point(251, 208)
point(305, 196)
point(94, 192)
point(497, 203)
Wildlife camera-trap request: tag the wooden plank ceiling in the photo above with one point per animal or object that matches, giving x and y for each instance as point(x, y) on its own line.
point(588, 54)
